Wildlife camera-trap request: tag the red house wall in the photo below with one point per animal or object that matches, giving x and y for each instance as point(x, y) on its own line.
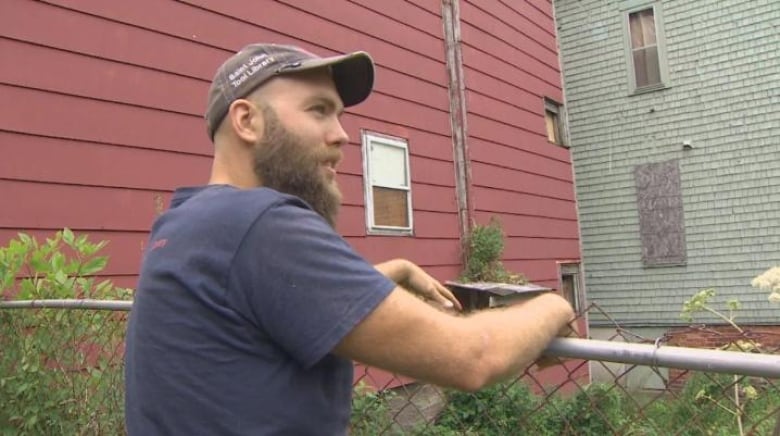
point(510, 64)
point(103, 104)
point(108, 102)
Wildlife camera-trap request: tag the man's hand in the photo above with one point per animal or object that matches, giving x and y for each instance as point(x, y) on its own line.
point(569, 330)
point(412, 278)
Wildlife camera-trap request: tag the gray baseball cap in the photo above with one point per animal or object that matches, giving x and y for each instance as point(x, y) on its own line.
point(253, 65)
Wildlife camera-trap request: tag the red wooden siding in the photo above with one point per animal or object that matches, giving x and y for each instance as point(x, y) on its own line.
point(103, 102)
point(110, 100)
point(511, 64)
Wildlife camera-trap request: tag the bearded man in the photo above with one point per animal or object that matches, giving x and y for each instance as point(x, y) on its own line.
point(250, 308)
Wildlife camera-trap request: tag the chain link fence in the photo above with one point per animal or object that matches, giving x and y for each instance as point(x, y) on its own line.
point(61, 373)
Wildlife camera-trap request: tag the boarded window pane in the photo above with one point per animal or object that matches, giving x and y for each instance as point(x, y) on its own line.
point(569, 290)
point(388, 165)
point(646, 67)
point(553, 129)
point(390, 207)
point(661, 223)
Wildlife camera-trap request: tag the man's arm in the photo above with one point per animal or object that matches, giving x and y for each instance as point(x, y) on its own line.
point(406, 336)
point(412, 278)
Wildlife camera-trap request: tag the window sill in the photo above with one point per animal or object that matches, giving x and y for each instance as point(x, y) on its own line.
point(389, 232)
point(648, 89)
point(566, 146)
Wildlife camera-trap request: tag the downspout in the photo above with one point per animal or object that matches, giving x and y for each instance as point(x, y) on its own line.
point(457, 93)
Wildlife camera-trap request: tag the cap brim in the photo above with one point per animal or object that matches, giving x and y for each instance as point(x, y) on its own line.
point(353, 75)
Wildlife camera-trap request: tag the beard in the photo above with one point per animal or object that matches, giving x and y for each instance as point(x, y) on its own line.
point(285, 162)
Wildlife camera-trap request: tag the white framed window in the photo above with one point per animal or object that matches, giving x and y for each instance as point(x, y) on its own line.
point(571, 284)
point(387, 182)
point(645, 46)
point(553, 121)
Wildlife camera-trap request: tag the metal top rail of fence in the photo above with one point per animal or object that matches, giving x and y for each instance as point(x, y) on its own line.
point(657, 355)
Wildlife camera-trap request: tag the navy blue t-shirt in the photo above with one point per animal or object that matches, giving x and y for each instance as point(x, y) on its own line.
point(242, 296)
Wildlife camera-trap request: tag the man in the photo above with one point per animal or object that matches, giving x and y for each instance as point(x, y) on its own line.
point(250, 308)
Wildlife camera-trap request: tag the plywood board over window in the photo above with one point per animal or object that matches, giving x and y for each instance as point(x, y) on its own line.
point(387, 184)
point(553, 121)
point(661, 223)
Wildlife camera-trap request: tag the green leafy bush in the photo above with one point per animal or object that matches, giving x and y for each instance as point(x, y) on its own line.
point(602, 409)
point(60, 370)
point(485, 245)
point(370, 411)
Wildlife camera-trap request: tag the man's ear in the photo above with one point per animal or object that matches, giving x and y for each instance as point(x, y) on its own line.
point(246, 120)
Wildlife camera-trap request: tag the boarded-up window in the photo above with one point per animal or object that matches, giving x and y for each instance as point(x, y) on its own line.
point(570, 284)
point(661, 224)
point(552, 121)
point(387, 184)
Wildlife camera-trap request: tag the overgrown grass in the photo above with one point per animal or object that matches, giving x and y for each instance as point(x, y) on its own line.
point(599, 410)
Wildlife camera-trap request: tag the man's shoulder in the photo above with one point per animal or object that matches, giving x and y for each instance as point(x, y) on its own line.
point(229, 201)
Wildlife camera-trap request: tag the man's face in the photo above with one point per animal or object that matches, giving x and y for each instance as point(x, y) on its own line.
point(301, 141)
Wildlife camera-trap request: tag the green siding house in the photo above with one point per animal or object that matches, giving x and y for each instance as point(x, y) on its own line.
point(673, 112)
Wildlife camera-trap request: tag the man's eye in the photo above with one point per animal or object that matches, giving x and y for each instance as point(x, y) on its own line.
point(320, 109)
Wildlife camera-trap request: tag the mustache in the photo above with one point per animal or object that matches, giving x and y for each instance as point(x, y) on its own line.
point(329, 154)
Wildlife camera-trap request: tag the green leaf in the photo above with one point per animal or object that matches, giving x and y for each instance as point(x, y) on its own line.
point(57, 262)
point(68, 236)
point(60, 277)
point(38, 263)
point(27, 290)
point(94, 265)
point(25, 238)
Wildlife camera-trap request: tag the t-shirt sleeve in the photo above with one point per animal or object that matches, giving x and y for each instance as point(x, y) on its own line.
point(301, 283)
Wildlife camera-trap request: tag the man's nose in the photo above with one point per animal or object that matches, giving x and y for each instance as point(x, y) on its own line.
point(338, 136)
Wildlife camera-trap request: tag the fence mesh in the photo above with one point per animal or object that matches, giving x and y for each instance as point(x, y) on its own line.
point(61, 373)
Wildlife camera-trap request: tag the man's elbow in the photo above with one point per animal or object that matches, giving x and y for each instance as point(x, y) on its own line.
point(479, 367)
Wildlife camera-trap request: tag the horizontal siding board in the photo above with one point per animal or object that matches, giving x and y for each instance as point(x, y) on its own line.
point(499, 111)
point(436, 225)
point(373, 25)
point(419, 250)
point(427, 224)
point(38, 67)
point(434, 198)
point(540, 272)
point(55, 160)
point(518, 248)
point(272, 15)
point(117, 42)
point(421, 143)
point(409, 14)
point(432, 6)
point(503, 133)
point(519, 181)
point(492, 200)
point(538, 12)
point(49, 206)
point(503, 89)
point(433, 172)
point(474, 57)
point(62, 116)
point(391, 79)
point(531, 28)
point(531, 226)
point(476, 25)
point(530, 159)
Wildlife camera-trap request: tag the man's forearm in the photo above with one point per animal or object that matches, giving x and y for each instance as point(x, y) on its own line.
point(516, 336)
point(395, 269)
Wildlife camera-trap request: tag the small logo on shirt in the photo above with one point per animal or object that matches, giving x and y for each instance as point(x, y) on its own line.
point(159, 243)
